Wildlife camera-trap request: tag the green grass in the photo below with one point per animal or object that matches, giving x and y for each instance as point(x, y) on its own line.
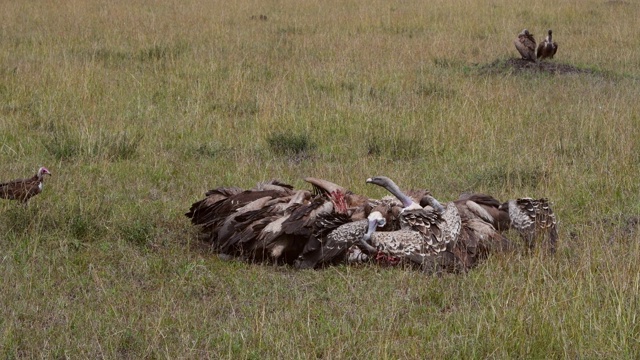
point(138, 108)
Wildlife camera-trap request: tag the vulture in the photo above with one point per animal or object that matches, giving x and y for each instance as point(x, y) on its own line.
point(487, 208)
point(335, 241)
point(533, 219)
point(240, 231)
point(275, 222)
point(397, 247)
point(547, 48)
point(475, 219)
point(467, 230)
point(24, 189)
point(287, 237)
point(526, 45)
point(336, 236)
point(426, 221)
point(217, 214)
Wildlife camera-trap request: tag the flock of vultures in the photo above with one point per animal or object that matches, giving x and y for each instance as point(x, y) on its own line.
point(273, 222)
point(330, 225)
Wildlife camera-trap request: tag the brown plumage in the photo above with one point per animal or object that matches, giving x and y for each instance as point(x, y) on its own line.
point(487, 208)
point(256, 232)
point(357, 206)
point(478, 239)
point(472, 223)
point(526, 45)
point(533, 219)
point(547, 48)
point(211, 213)
point(333, 237)
point(294, 232)
point(24, 189)
point(273, 221)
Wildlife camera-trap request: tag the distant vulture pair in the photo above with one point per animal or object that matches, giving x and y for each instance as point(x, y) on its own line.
point(24, 189)
point(526, 46)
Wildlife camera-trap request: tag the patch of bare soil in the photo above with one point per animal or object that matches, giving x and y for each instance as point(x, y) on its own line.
point(524, 66)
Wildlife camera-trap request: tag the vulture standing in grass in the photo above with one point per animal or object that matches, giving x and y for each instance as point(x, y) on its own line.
point(24, 189)
point(547, 48)
point(533, 219)
point(526, 45)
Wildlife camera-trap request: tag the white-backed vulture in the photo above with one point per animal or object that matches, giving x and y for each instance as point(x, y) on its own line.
point(547, 48)
point(24, 189)
point(332, 241)
point(526, 45)
point(473, 225)
point(405, 246)
point(533, 218)
point(414, 217)
point(337, 235)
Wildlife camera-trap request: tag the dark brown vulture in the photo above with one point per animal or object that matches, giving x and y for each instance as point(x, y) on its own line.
point(487, 208)
point(533, 219)
point(274, 222)
point(24, 189)
point(526, 45)
point(547, 48)
point(210, 213)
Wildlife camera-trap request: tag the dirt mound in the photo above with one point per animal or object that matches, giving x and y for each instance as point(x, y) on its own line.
point(524, 66)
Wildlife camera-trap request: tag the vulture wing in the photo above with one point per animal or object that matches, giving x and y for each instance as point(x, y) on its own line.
point(20, 189)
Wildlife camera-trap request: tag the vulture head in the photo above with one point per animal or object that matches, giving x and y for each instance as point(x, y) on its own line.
point(391, 187)
point(42, 172)
point(374, 220)
point(380, 181)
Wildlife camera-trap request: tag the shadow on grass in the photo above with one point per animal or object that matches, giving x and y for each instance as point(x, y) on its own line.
point(290, 144)
point(396, 148)
point(64, 144)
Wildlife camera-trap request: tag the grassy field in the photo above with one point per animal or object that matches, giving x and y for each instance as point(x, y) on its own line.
point(139, 107)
